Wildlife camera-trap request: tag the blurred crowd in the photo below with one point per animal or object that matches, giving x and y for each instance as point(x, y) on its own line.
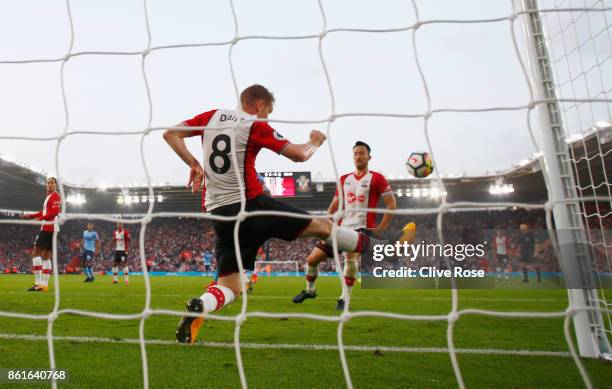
point(187, 244)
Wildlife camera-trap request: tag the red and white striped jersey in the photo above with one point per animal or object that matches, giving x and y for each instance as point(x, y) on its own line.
point(122, 239)
point(221, 185)
point(51, 208)
point(501, 245)
point(362, 192)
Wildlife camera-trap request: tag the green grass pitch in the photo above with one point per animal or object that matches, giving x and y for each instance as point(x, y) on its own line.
point(110, 361)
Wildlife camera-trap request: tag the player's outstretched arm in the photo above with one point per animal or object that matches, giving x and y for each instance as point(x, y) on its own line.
point(176, 141)
point(31, 215)
point(333, 206)
point(303, 152)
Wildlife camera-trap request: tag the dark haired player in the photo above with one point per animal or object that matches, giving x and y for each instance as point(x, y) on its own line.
point(361, 189)
point(90, 243)
point(43, 247)
point(526, 244)
point(229, 133)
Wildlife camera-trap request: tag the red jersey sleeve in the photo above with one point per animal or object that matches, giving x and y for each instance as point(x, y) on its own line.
point(34, 215)
point(342, 179)
point(381, 185)
point(262, 135)
point(200, 120)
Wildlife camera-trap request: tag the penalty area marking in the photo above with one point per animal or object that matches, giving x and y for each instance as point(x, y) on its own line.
point(287, 346)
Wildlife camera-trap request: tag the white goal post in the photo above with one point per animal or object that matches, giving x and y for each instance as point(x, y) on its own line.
point(277, 266)
point(572, 250)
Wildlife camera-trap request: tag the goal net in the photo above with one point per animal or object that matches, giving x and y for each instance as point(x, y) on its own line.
point(582, 80)
point(564, 49)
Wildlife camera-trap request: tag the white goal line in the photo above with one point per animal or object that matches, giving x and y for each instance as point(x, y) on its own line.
point(295, 346)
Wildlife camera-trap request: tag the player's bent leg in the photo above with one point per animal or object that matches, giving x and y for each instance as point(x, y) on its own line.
point(36, 265)
point(318, 228)
point(115, 273)
point(215, 298)
point(41, 266)
point(351, 268)
point(346, 238)
point(318, 254)
point(46, 270)
point(84, 266)
point(91, 270)
point(357, 241)
point(189, 326)
point(37, 268)
point(311, 276)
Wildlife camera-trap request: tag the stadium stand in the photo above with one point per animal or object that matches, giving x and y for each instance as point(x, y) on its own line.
point(176, 244)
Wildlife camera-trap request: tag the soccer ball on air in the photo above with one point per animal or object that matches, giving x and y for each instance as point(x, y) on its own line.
point(419, 165)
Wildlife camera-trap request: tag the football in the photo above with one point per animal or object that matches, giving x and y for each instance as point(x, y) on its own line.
point(419, 164)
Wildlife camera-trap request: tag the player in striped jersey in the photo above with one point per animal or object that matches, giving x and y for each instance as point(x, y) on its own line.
point(361, 189)
point(121, 239)
point(43, 247)
point(231, 137)
point(501, 245)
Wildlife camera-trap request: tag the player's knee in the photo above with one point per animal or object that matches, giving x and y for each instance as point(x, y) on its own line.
point(312, 260)
point(237, 290)
point(316, 256)
point(231, 281)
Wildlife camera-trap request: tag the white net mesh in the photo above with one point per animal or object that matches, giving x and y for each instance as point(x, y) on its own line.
point(582, 105)
point(580, 53)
